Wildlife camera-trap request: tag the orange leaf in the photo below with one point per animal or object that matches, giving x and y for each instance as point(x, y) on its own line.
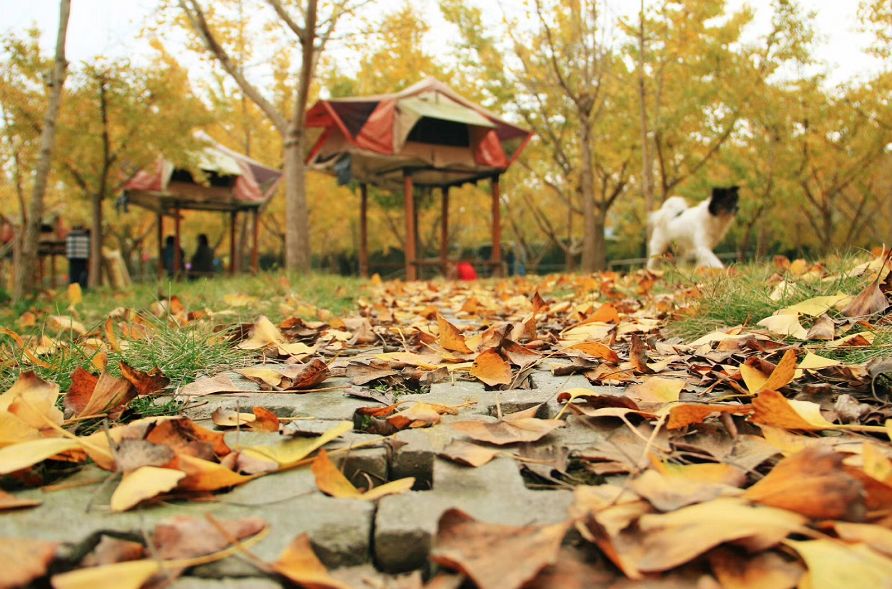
point(812, 482)
point(298, 563)
point(450, 337)
point(597, 350)
point(491, 369)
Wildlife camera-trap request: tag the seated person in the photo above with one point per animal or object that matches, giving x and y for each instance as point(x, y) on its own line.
point(168, 256)
point(202, 263)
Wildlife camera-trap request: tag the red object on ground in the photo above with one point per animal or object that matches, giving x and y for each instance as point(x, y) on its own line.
point(465, 271)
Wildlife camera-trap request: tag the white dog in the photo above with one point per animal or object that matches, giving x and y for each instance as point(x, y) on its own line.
point(692, 231)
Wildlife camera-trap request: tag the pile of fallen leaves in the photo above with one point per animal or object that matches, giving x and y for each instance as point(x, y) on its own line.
point(750, 457)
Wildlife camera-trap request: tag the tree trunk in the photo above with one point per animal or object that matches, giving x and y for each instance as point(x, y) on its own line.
point(297, 216)
point(589, 222)
point(647, 171)
point(297, 222)
point(94, 274)
point(600, 239)
point(27, 267)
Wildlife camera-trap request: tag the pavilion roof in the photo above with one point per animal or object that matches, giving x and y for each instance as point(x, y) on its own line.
point(232, 182)
point(427, 129)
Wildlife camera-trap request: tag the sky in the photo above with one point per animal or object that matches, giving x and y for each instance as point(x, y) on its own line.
point(112, 27)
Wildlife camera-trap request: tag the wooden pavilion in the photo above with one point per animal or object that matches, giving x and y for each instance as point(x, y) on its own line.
point(233, 183)
point(424, 136)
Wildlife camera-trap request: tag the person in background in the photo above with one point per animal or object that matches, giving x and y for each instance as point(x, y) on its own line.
point(202, 263)
point(77, 250)
point(167, 256)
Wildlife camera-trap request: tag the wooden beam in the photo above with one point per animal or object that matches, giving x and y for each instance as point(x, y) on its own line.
point(444, 231)
point(159, 226)
point(409, 205)
point(363, 230)
point(177, 258)
point(255, 242)
point(233, 265)
point(496, 228)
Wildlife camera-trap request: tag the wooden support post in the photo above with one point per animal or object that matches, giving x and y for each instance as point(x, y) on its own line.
point(52, 270)
point(255, 242)
point(363, 230)
point(409, 203)
point(159, 227)
point(496, 229)
point(233, 265)
point(177, 258)
point(444, 231)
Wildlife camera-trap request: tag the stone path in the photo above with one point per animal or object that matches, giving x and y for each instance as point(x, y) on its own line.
point(360, 540)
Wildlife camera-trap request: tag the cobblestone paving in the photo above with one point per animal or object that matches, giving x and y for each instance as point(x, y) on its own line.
point(363, 542)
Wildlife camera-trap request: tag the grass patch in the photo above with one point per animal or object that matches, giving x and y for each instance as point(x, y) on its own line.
point(743, 296)
point(183, 354)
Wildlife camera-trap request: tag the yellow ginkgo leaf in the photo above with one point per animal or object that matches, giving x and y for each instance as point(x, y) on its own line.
point(332, 481)
point(785, 324)
point(816, 305)
point(264, 334)
point(121, 575)
point(833, 564)
point(292, 451)
point(144, 483)
point(31, 452)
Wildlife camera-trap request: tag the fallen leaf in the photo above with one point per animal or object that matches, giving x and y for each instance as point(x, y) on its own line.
point(657, 389)
point(823, 329)
point(786, 324)
point(813, 361)
point(771, 408)
point(685, 414)
point(495, 556)
point(518, 354)
point(518, 427)
point(123, 575)
point(450, 337)
point(869, 301)
point(33, 401)
point(18, 456)
point(491, 369)
point(131, 454)
point(596, 350)
point(223, 417)
point(64, 324)
point(143, 483)
point(112, 550)
point(332, 481)
point(816, 306)
point(9, 501)
point(780, 377)
point(672, 539)
point(145, 383)
point(290, 452)
point(204, 475)
point(299, 564)
point(667, 493)
point(860, 339)
point(468, 454)
point(812, 482)
point(264, 420)
point(638, 355)
point(221, 383)
point(305, 376)
point(768, 570)
point(877, 537)
point(833, 564)
point(23, 560)
point(184, 536)
point(263, 334)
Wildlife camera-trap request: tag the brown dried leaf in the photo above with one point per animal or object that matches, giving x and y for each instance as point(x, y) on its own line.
point(490, 368)
point(495, 556)
point(813, 483)
point(450, 337)
point(23, 561)
point(185, 536)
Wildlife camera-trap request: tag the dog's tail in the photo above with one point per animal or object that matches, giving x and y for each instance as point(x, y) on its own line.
point(672, 207)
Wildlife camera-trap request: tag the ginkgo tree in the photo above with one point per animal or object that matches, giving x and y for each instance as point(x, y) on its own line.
point(119, 119)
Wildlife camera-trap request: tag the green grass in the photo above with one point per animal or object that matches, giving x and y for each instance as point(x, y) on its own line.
point(743, 296)
point(183, 353)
